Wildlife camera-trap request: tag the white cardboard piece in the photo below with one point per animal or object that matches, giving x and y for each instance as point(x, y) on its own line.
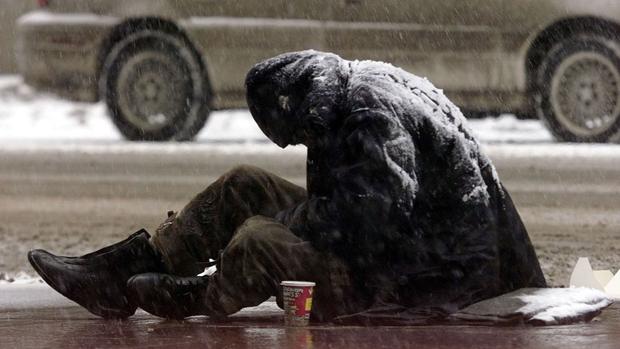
point(603, 276)
point(603, 280)
point(613, 286)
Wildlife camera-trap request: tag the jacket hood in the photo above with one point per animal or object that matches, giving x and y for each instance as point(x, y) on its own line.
point(295, 97)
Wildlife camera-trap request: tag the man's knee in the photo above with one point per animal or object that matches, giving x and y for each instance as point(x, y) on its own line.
point(258, 192)
point(240, 175)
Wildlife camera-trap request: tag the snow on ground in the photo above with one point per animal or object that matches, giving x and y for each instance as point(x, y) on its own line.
point(560, 305)
point(28, 116)
point(20, 278)
point(507, 128)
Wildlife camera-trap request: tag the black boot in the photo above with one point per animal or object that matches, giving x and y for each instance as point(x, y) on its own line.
point(98, 281)
point(169, 296)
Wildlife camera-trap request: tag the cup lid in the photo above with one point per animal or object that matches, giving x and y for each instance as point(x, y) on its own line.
point(298, 283)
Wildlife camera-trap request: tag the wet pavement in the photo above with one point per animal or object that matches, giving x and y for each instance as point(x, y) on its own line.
point(35, 317)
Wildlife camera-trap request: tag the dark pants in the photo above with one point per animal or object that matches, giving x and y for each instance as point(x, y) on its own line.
point(230, 221)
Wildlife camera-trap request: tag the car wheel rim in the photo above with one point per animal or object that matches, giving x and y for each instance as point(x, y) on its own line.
point(585, 93)
point(153, 91)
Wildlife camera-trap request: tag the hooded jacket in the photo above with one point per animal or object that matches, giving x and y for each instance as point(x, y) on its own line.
point(398, 187)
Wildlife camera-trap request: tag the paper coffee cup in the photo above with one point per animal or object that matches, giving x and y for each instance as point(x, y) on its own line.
point(297, 297)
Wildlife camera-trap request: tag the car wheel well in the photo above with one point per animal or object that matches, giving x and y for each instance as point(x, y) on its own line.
point(559, 31)
point(134, 25)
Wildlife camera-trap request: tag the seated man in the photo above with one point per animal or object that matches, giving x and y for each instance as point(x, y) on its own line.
point(402, 210)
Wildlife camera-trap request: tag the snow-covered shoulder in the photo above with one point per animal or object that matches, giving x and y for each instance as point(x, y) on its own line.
point(424, 109)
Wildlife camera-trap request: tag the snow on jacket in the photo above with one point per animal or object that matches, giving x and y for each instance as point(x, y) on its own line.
point(397, 184)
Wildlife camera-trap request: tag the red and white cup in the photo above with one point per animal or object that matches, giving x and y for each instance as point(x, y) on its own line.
point(297, 297)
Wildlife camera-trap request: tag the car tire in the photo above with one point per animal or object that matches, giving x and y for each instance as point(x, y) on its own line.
point(578, 89)
point(154, 87)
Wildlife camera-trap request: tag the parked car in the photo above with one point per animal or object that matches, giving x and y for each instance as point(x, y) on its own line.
point(162, 65)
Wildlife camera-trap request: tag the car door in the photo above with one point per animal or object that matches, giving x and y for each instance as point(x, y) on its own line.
point(234, 35)
point(454, 43)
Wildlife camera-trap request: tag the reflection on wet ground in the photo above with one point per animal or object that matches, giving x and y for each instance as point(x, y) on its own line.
point(72, 327)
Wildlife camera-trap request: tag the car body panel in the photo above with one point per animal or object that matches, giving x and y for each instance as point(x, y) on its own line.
point(230, 42)
point(475, 50)
point(452, 51)
point(59, 52)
